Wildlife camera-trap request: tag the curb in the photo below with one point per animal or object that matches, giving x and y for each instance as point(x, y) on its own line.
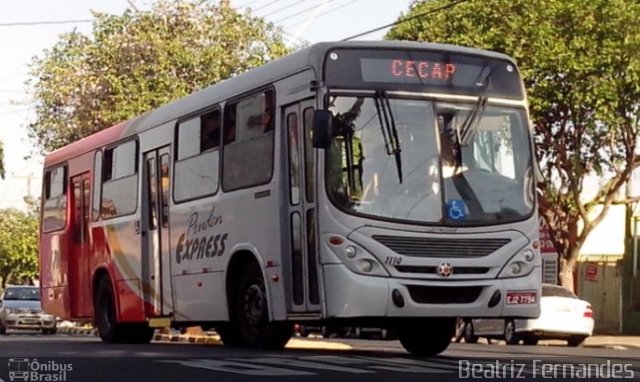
point(182, 338)
point(78, 331)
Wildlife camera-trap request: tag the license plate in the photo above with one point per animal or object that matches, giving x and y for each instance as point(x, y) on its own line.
point(517, 298)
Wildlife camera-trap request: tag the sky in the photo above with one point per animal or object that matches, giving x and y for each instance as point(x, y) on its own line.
point(302, 20)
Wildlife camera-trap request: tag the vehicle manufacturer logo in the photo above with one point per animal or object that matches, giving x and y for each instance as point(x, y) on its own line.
point(445, 270)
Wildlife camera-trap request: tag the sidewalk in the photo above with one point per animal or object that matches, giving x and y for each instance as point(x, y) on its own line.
point(616, 342)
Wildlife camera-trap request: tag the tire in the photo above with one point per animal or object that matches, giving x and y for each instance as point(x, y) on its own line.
point(49, 331)
point(230, 334)
point(3, 330)
point(530, 340)
point(427, 337)
point(575, 341)
point(105, 312)
point(388, 335)
point(137, 333)
point(510, 336)
point(252, 314)
point(469, 333)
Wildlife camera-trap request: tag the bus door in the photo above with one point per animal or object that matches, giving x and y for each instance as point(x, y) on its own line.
point(302, 257)
point(78, 261)
point(154, 230)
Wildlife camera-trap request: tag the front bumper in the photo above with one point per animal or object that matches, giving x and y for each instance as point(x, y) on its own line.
point(355, 295)
point(23, 321)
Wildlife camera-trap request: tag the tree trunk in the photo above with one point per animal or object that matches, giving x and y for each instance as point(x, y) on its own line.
point(566, 270)
point(566, 278)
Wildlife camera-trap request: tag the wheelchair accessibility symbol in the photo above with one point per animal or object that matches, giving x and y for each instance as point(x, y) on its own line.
point(456, 209)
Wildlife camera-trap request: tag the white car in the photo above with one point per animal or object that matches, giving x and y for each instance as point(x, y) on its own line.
point(21, 309)
point(563, 316)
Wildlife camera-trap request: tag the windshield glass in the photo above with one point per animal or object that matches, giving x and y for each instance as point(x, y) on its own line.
point(484, 179)
point(22, 294)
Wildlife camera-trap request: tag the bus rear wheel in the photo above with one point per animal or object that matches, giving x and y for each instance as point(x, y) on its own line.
point(252, 314)
point(109, 329)
point(106, 320)
point(427, 337)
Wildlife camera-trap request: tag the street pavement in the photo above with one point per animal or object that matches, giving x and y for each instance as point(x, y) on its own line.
point(195, 335)
point(79, 357)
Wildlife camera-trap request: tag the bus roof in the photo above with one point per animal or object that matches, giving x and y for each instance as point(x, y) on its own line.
point(308, 58)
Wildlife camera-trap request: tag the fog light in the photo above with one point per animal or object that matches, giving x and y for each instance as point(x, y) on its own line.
point(365, 265)
point(495, 299)
point(396, 297)
point(350, 252)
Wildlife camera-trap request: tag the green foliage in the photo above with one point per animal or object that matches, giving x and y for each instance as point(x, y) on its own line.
point(18, 246)
point(138, 61)
point(1, 160)
point(581, 69)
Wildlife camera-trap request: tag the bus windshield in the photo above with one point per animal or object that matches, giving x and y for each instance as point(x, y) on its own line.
point(456, 168)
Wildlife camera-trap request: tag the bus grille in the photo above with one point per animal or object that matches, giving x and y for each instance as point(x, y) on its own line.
point(432, 247)
point(433, 270)
point(444, 295)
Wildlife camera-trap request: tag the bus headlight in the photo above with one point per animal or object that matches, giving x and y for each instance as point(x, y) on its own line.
point(519, 265)
point(365, 265)
point(356, 258)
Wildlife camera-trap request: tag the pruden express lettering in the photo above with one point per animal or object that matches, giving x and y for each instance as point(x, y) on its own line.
point(201, 239)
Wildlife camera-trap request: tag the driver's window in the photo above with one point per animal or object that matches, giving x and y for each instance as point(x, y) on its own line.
point(493, 146)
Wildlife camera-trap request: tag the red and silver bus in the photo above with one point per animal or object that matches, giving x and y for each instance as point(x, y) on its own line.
point(386, 184)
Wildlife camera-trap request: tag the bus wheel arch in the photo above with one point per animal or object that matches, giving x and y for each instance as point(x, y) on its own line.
point(249, 306)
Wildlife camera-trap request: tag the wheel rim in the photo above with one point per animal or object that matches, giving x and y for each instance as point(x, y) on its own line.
point(254, 304)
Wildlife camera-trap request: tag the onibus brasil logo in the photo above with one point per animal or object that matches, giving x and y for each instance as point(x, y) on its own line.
point(25, 369)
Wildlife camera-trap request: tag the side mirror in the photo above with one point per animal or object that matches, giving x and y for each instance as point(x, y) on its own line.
point(322, 126)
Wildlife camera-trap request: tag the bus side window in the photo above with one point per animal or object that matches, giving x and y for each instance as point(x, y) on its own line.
point(196, 168)
point(229, 124)
point(119, 178)
point(210, 130)
point(249, 126)
point(55, 203)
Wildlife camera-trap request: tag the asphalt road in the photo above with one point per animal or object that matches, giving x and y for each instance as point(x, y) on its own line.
point(82, 358)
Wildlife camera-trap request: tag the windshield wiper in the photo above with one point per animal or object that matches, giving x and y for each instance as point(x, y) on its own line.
point(470, 124)
point(388, 127)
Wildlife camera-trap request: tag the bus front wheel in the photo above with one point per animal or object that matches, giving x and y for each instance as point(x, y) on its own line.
point(252, 314)
point(427, 337)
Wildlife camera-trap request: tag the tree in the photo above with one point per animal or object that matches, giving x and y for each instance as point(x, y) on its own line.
point(138, 61)
point(582, 72)
point(18, 246)
point(1, 160)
